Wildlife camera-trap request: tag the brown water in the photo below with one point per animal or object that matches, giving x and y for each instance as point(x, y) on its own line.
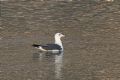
point(91, 45)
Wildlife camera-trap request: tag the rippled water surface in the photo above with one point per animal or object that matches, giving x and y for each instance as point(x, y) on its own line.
point(91, 45)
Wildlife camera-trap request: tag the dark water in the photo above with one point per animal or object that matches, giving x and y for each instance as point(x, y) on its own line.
point(91, 45)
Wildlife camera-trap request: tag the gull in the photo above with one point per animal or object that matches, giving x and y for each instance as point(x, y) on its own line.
point(55, 47)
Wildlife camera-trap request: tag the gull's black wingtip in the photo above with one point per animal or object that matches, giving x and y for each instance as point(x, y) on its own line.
point(35, 45)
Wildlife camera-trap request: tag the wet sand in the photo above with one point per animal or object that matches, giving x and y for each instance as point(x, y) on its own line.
point(91, 45)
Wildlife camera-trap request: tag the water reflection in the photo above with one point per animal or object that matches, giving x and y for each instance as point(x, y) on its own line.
point(58, 66)
point(55, 59)
point(37, 56)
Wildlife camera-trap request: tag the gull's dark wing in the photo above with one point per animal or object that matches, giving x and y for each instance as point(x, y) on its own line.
point(51, 47)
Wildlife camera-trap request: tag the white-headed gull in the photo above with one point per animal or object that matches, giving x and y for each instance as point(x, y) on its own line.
point(56, 47)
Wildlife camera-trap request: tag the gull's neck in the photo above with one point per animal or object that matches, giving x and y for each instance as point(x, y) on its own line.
point(58, 41)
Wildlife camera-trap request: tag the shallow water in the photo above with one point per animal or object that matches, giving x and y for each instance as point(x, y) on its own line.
point(91, 45)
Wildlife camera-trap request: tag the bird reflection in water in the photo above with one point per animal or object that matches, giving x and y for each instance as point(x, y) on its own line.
point(57, 60)
point(58, 66)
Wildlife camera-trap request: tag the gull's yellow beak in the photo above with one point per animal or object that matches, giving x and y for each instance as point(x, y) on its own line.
point(63, 35)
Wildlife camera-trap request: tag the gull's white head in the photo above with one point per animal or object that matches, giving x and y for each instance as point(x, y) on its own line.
point(59, 35)
point(58, 41)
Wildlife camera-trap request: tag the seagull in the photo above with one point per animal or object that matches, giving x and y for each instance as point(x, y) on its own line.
point(56, 47)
